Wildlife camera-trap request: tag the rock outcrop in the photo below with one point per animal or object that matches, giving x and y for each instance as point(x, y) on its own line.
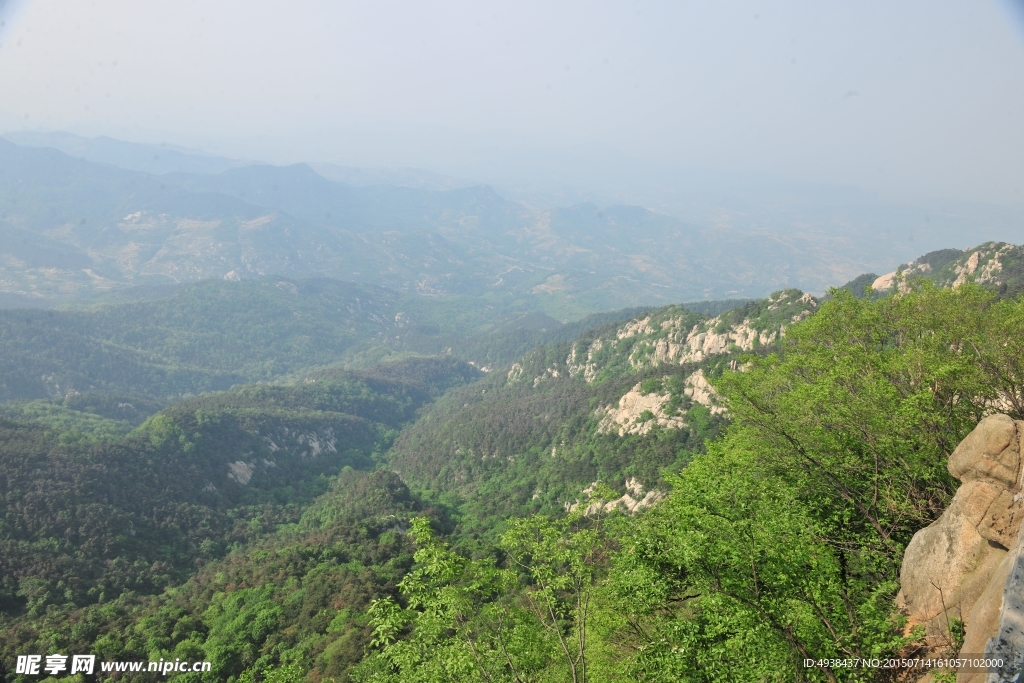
point(638, 413)
point(700, 391)
point(632, 501)
point(951, 267)
point(675, 338)
point(968, 566)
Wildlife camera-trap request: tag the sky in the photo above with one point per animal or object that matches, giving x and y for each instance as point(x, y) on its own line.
point(916, 99)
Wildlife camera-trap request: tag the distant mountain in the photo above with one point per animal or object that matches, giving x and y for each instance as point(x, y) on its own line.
point(400, 177)
point(307, 195)
point(71, 228)
point(132, 156)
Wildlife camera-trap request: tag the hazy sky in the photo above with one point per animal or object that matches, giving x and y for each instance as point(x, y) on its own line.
point(920, 98)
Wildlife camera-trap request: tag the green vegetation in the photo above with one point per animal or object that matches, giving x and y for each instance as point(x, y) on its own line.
point(432, 478)
point(471, 620)
point(71, 425)
point(997, 266)
point(786, 538)
point(205, 337)
point(85, 524)
point(781, 542)
point(497, 448)
point(295, 595)
point(221, 484)
point(214, 335)
point(588, 513)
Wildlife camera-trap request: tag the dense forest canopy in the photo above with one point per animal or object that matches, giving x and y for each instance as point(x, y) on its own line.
point(680, 495)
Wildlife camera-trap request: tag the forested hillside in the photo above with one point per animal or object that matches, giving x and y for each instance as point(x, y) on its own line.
point(88, 523)
point(996, 265)
point(661, 494)
point(623, 404)
point(221, 484)
point(216, 334)
point(294, 590)
point(781, 542)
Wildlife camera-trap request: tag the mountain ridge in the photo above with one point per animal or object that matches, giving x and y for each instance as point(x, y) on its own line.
point(101, 228)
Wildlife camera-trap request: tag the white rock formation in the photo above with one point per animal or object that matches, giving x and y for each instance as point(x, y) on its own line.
point(632, 501)
point(700, 391)
point(990, 261)
point(577, 365)
point(628, 416)
point(515, 373)
point(672, 341)
point(240, 471)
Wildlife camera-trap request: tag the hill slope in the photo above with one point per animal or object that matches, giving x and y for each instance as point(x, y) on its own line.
point(995, 265)
point(245, 526)
point(214, 334)
point(84, 523)
point(622, 404)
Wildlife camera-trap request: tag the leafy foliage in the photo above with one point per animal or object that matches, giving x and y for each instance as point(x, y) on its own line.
point(292, 600)
point(469, 619)
point(85, 523)
point(779, 536)
point(784, 541)
point(497, 449)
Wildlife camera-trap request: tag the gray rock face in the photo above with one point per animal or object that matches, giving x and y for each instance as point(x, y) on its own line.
point(969, 564)
point(1008, 643)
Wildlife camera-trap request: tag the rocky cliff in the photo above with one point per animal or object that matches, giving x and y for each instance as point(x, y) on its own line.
point(996, 265)
point(962, 577)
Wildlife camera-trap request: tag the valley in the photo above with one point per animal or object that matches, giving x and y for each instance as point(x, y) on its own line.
point(630, 342)
point(312, 430)
point(260, 473)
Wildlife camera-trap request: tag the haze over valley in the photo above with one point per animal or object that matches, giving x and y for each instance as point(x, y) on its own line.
point(104, 215)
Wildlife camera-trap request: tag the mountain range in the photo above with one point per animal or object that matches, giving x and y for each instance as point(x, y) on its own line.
point(124, 215)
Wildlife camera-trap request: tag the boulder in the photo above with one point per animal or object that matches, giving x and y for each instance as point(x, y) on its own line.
point(969, 564)
point(984, 619)
point(946, 568)
point(989, 453)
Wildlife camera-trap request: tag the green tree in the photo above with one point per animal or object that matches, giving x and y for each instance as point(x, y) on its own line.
point(783, 542)
point(458, 623)
point(469, 619)
point(560, 562)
